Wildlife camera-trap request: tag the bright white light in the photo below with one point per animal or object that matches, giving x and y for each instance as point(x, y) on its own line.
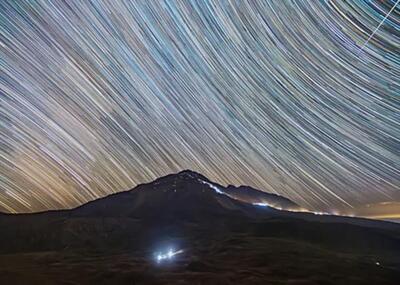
point(268, 205)
point(212, 186)
point(168, 255)
point(321, 213)
point(261, 204)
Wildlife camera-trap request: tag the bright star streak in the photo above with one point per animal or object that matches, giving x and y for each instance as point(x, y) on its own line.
point(380, 24)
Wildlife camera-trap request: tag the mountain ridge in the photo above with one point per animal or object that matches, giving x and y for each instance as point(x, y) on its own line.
point(240, 193)
point(182, 173)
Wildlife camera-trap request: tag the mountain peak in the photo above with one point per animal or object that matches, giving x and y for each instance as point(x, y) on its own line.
point(191, 173)
point(184, 192)
point(187, 179)
point(176, 179)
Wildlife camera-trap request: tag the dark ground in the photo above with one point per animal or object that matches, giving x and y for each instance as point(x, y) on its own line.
point(239, 259)
point(225, 241)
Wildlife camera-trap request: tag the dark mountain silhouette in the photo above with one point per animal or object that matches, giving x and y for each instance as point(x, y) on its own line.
point(254, 196)
point(225, 238)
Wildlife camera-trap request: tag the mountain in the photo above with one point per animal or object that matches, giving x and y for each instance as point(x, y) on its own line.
point(186, 192)
point(253, 196)
point(224, 235)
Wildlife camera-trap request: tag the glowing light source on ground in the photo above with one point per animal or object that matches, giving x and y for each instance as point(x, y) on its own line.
point(262, 204)
point(167, 255)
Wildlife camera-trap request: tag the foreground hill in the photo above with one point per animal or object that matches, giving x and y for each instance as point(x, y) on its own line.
point(224, 236)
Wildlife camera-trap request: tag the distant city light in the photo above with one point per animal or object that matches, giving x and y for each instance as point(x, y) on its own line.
point(320, 213)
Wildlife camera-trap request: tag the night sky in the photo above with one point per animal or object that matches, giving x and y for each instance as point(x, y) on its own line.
point(289, 97)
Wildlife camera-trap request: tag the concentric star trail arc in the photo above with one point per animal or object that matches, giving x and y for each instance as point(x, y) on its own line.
point(298, 98)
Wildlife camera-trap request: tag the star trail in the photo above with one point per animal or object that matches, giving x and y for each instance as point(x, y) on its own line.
point(298, 98)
